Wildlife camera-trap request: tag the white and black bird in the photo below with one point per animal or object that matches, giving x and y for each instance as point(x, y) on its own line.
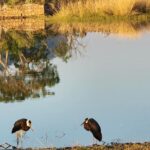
point(20, 127)
point(92, 126)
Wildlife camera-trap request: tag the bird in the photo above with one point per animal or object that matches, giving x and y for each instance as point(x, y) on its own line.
point(92, 125)
point(20, 127)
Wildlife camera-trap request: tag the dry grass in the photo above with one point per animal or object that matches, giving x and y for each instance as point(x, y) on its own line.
point(88, 8)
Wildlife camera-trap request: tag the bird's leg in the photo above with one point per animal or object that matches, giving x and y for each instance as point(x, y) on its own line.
point(94, 141)
point(17, 139)
point(21, 140)
point(17, 142)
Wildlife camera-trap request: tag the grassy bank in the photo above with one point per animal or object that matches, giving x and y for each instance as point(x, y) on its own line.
point(81, 9)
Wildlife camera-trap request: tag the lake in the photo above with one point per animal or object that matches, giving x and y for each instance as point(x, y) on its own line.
point(59, 75)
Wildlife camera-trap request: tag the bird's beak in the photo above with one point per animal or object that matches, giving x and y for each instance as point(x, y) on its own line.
point(82, 123)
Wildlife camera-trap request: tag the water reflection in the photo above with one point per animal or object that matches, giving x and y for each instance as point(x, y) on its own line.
point(20, 80)
point(32, 84)
point(127, 29)
point(27, 48)
point(26, 69)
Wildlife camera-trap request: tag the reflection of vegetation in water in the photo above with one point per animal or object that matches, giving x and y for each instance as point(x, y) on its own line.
point(32, 84)
point(21, 77)
point(25, 68)
point(66, 44)
point(131, 29)
point(62, 49)
point(15, 40)
point(36, 45)
point(67, 50)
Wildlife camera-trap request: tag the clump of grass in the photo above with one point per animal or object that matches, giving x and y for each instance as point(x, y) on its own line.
point(89, 8)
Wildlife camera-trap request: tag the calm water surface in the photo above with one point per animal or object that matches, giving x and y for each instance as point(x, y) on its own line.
point(107, 78)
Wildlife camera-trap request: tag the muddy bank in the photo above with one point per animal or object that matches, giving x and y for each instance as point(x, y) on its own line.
point(112, 146)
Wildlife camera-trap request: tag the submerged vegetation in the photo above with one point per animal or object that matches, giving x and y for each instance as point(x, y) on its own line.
point(81, 9)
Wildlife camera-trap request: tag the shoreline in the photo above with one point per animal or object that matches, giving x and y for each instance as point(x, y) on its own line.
point(111, 146)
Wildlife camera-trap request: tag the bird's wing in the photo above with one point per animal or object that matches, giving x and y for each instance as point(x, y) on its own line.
point(94, 126)
point(18, 125)
point(19, 122)
point(95, 129)
point(15, 128)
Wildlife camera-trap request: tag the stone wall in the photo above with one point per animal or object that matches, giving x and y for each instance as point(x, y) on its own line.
point(18, 11)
